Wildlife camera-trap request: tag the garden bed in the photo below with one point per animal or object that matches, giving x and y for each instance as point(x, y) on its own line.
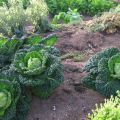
point(73, 101)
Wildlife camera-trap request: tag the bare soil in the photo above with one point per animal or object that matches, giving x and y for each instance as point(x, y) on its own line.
point(73, 101)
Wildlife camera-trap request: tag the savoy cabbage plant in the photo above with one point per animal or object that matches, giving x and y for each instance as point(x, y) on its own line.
point(39, 66)
point(27, 65)
point(9, 95)
point(104, 72)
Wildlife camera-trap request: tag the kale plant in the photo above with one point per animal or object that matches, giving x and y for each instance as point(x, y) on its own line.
point(104, 72)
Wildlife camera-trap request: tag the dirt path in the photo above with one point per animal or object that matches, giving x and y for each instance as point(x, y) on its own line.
point(72, 101)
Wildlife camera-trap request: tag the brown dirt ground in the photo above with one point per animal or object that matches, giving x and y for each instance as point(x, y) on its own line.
point(73, 101)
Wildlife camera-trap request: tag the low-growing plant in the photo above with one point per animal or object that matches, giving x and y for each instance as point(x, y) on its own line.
point(38, 15)
point(110, 110)
point(29, 64)
point(70, 16)
point(11, 98)
point(98, 6)
point(90, 7)
point(104, 73)
point(13, 19)
point(40, 68)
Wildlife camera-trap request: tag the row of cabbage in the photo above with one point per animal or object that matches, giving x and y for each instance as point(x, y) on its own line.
point(27, 65)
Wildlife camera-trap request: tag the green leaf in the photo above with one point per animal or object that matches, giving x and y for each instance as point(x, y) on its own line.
point(55, 19)
point(33, 40)
point(49, 40)
point(92, 64)
point(112, 62)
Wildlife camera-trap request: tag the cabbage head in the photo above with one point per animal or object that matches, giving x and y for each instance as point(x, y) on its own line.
point(104, 72)
point(9, 95)
point(38, 66)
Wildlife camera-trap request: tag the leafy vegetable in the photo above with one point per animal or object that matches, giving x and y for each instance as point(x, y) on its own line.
point(109, 110)
point(70, 16)
point(9, 95)
point(49, 40)
point(104, 72)
point(39, 66)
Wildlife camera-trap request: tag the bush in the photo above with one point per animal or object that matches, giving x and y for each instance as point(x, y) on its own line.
point(13, 19)
point(90, 7)
point(38, 15)
point(110, 110)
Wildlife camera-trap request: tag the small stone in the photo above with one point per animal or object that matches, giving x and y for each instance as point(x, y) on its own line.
point(54, 108)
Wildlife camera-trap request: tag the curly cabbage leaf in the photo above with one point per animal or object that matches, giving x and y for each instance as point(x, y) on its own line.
point(35, 39)
point(51, 82)
point(9, 95)
point(8, 48)
point(104, 72)
point(92, 64)
point(37, 66)
point(23, 104)
point(114, 66)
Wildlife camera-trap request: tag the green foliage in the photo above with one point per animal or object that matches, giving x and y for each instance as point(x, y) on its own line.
point(110, 110)
point(35, 39)
point(13, 19)
point(38, 15)
point(117, 8)
point(8, 48)
point(103, 70)
point(98, 6)
point(26, 3)
point(90, 7)
point(38, 66)
point(70, 16)
point(27, 64)
point(3, 1)
point(9, 95)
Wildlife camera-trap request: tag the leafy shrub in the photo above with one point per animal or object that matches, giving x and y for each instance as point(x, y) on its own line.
point(38, 15)
point(13, 19)
point(103, 70)
point(110, 110)
point(90, 7)
point(98, 6)
point(70, 16)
